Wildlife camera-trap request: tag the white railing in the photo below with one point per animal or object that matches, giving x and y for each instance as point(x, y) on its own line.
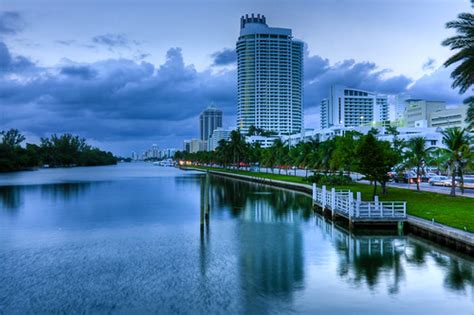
point(342, 202)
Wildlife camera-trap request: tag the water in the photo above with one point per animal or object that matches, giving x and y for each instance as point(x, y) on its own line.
point(127, 239)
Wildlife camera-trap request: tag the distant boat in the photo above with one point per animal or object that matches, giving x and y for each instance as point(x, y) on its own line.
point(166, 163)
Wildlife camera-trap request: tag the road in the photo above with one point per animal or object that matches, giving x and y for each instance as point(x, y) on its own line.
point(423, 186)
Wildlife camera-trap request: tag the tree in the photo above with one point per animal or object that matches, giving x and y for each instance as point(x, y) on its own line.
point(457, 142)
point(470, 112)
point(237, 146)
point(463, 43)
point(439, 158)
point(344, 151)
point(12, 138)
point(281, 151)
point(374, 160)
point(416, 156)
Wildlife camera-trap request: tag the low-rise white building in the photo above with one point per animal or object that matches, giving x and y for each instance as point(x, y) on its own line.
point(218, 135)
point(450, 117)
point(265, 142)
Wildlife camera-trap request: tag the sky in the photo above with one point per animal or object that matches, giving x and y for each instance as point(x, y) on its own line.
point(128, 74)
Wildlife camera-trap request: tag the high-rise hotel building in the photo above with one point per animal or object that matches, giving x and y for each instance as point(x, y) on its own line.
point(270, 77)
point(347, 107)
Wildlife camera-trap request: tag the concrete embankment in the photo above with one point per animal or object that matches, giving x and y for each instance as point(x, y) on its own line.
point(442, 234)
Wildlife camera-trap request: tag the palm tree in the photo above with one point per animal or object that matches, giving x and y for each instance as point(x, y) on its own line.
point(470, 112)
point(416, 156)
point(457, 142)
point(237, 147)
point(463, 42)
point(280, 151)
point(439, 158)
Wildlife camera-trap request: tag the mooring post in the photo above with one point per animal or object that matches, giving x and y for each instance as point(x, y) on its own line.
point(314, 193)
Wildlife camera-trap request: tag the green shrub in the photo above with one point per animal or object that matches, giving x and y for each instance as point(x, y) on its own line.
point(330, 180)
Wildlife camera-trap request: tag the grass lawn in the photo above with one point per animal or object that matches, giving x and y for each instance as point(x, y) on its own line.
point(456, 211)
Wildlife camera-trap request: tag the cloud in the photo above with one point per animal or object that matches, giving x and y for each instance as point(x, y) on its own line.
point(436, 86)
point(224, 57)
point(320, 75)
point(83, 72)
point(116, 99)
point(66, 42)
point(126, 101)
point(111, 40)
point(430, 64)
point(11, 64)
point(11, 22)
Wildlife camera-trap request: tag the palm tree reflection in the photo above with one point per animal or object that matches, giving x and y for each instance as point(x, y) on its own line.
point(270, 241)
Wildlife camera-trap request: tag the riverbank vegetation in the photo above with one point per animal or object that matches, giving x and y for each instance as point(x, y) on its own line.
point(378, 161)
point(56, 151)
point(454, 212)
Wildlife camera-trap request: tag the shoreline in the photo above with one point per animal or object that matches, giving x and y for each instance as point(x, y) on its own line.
point(439, 233)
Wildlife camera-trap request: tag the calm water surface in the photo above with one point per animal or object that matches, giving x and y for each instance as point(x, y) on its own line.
point(127, 239)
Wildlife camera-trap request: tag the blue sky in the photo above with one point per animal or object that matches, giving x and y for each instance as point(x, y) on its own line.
point(126, 74)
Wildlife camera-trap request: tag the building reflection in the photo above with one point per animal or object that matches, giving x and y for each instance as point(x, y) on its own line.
point(270, 244)
point(270, 239)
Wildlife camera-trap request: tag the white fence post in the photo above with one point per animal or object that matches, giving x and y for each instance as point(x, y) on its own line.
point(333, 199)
point(323, 197)
point(314, 192)
point(359, 200)
point(377, 205)
point(351, 204)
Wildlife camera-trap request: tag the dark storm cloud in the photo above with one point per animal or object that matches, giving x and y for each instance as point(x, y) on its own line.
point(436, 86)
point(83, 72)
point(224, 57)
point(126, 100)
point(320, 75)
point(115, 98)
point(9, 63)
point(11, 22)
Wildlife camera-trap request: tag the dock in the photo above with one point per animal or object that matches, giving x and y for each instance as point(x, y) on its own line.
point(343, 203)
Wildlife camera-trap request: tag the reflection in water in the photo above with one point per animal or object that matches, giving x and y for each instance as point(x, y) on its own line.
point(363, 259)
point(66, 191)
point(271, 243)
point(11, 197)
point(459, 272)
point(269, 236)
point(135, 245)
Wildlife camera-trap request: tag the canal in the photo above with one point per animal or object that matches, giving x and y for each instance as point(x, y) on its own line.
point(128, 239)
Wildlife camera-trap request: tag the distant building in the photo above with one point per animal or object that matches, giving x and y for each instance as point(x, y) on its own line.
point(263, 141)
point(418, 111)
point(270, 77)
point(324, 113)
point(447, 118)
point(195, 145)
point(348, 107)
point(218, 135)
point(209, 120)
